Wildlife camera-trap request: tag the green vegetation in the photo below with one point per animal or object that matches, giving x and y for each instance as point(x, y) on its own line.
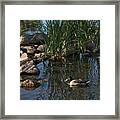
point(66, 37)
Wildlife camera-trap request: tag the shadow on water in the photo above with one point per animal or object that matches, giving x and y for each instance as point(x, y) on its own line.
point(86, 68)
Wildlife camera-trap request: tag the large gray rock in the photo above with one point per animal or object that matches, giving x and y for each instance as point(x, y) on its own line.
point(37, 38)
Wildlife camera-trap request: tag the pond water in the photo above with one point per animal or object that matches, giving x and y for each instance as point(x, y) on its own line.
point(86, 68)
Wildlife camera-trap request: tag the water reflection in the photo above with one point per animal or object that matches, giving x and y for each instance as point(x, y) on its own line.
point(42, 66)
point(86, 68)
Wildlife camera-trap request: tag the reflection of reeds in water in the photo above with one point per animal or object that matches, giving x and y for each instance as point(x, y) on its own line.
point(59, 90)
point(86, 69)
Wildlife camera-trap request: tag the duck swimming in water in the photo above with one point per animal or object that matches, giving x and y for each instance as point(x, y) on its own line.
point(76, 82)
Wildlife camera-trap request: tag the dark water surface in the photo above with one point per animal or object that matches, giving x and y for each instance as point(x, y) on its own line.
point(86, 68)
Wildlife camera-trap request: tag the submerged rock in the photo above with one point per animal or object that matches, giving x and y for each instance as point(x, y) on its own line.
point(28, 67)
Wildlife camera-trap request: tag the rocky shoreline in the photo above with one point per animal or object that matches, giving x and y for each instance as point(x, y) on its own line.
point(30, 55)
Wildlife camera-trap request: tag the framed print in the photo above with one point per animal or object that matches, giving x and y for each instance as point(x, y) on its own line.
point(59, 59)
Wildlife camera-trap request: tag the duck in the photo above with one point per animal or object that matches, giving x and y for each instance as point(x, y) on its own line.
point(76, 82)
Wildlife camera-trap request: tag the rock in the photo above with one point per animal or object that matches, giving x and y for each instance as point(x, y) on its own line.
point(36, 51)
point(25, 77)
point(35, 46)
point(41, 48)
point(23, 50)
point(37, 55)
point(32, 39)
point(23, 57)
point(29, 83)
point(37, 61)
point(21, 39)
point(42, 55)
point(89, 46)
point(37, 58)
point(30, 49)
point(28, 67)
